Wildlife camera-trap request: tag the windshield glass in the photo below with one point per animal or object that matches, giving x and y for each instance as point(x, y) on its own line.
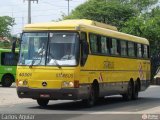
point(60, 49)
point(33, 49)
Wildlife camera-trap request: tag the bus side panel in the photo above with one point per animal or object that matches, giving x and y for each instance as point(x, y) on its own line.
point(113, 73)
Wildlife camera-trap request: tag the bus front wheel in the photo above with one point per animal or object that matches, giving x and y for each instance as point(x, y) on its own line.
point(7, 81)
point(92, 97)
point(42, 102)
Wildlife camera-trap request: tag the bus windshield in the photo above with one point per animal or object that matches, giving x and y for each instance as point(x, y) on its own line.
point(51, 49)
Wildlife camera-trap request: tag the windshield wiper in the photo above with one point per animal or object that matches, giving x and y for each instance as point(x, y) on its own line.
point(55, 61)
point(33, 61)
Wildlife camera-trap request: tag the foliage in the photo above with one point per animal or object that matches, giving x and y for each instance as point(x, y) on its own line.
point(6, 23)
point(111, 12)
point(146, 25)
point(5, 44)
point(143, 5)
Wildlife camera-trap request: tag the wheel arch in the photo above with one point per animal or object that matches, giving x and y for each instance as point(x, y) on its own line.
point(132, 82)
point(139, 84)
point(95, 84)
point(9, 74)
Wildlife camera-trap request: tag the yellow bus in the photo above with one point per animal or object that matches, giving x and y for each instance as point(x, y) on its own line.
point(81, 60)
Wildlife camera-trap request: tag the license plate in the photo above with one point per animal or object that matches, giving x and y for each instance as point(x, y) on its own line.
point(44, 95)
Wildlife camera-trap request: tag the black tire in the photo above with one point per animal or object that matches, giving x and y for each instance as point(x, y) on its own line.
point(7, 81)
point(42, 102)
point(92, 97)
point(135, 91)
point(128, 95)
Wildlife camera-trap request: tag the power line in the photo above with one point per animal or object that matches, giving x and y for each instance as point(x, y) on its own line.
point(26, 11)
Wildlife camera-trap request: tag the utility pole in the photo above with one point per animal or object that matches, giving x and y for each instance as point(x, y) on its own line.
point(29, 10)
point(68, 6)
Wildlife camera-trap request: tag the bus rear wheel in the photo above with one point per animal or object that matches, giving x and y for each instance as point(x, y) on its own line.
point(7, 81)
point(128, 95)
point(135, 91)
point(42, 102)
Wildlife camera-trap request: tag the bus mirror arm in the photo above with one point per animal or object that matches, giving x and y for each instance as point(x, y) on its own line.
point(13, 46)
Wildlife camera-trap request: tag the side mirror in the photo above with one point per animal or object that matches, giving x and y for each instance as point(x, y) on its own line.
point(13, 46)
point(16, 40)
point(84, 52)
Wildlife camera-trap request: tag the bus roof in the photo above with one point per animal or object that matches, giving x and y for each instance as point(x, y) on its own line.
point(115, 34)
point(84, 24)
point(66, 24)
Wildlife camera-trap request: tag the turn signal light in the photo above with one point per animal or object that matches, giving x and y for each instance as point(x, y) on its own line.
point(76, 83)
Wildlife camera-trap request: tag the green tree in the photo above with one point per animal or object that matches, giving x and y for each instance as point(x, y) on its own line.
point(6, 23)
point(140, 5)
point(143, 5)
point(111, 12)
point(146, 25)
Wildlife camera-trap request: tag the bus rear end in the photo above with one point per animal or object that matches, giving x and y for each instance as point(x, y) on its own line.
point(8, 64)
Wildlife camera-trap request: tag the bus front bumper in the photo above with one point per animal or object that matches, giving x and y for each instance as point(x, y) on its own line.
point(52, 94)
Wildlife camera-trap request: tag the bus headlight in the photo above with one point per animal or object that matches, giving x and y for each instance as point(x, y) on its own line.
point(25, 82)
point(67, 84)
point(20, 83)
point(71, 84)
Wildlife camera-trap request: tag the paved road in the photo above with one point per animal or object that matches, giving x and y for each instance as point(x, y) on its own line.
point(112, 108)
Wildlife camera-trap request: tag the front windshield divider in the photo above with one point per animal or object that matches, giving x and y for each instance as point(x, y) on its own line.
point(46, 59)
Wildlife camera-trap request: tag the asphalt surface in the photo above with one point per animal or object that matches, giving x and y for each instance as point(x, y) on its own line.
point(110, 108)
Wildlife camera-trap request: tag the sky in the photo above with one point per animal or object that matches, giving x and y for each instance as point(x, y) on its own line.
point(44, 11)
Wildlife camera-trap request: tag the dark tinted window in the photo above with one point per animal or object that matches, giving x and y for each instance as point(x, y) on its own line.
point(123, 48)
point(139, 50)
point(131, 51)
point(9, 59)
point(93, 43)
point(145, 54)
point(114, 48)
point(104, 45)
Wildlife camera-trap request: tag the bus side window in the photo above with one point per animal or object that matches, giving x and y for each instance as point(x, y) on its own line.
point(131, 51)
point(145, 55)
point(114, 48)
point(104, 45)
point(123, 48)
point(2, 59)
point(93, 43)
point(139, 51)
point(9, 59)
